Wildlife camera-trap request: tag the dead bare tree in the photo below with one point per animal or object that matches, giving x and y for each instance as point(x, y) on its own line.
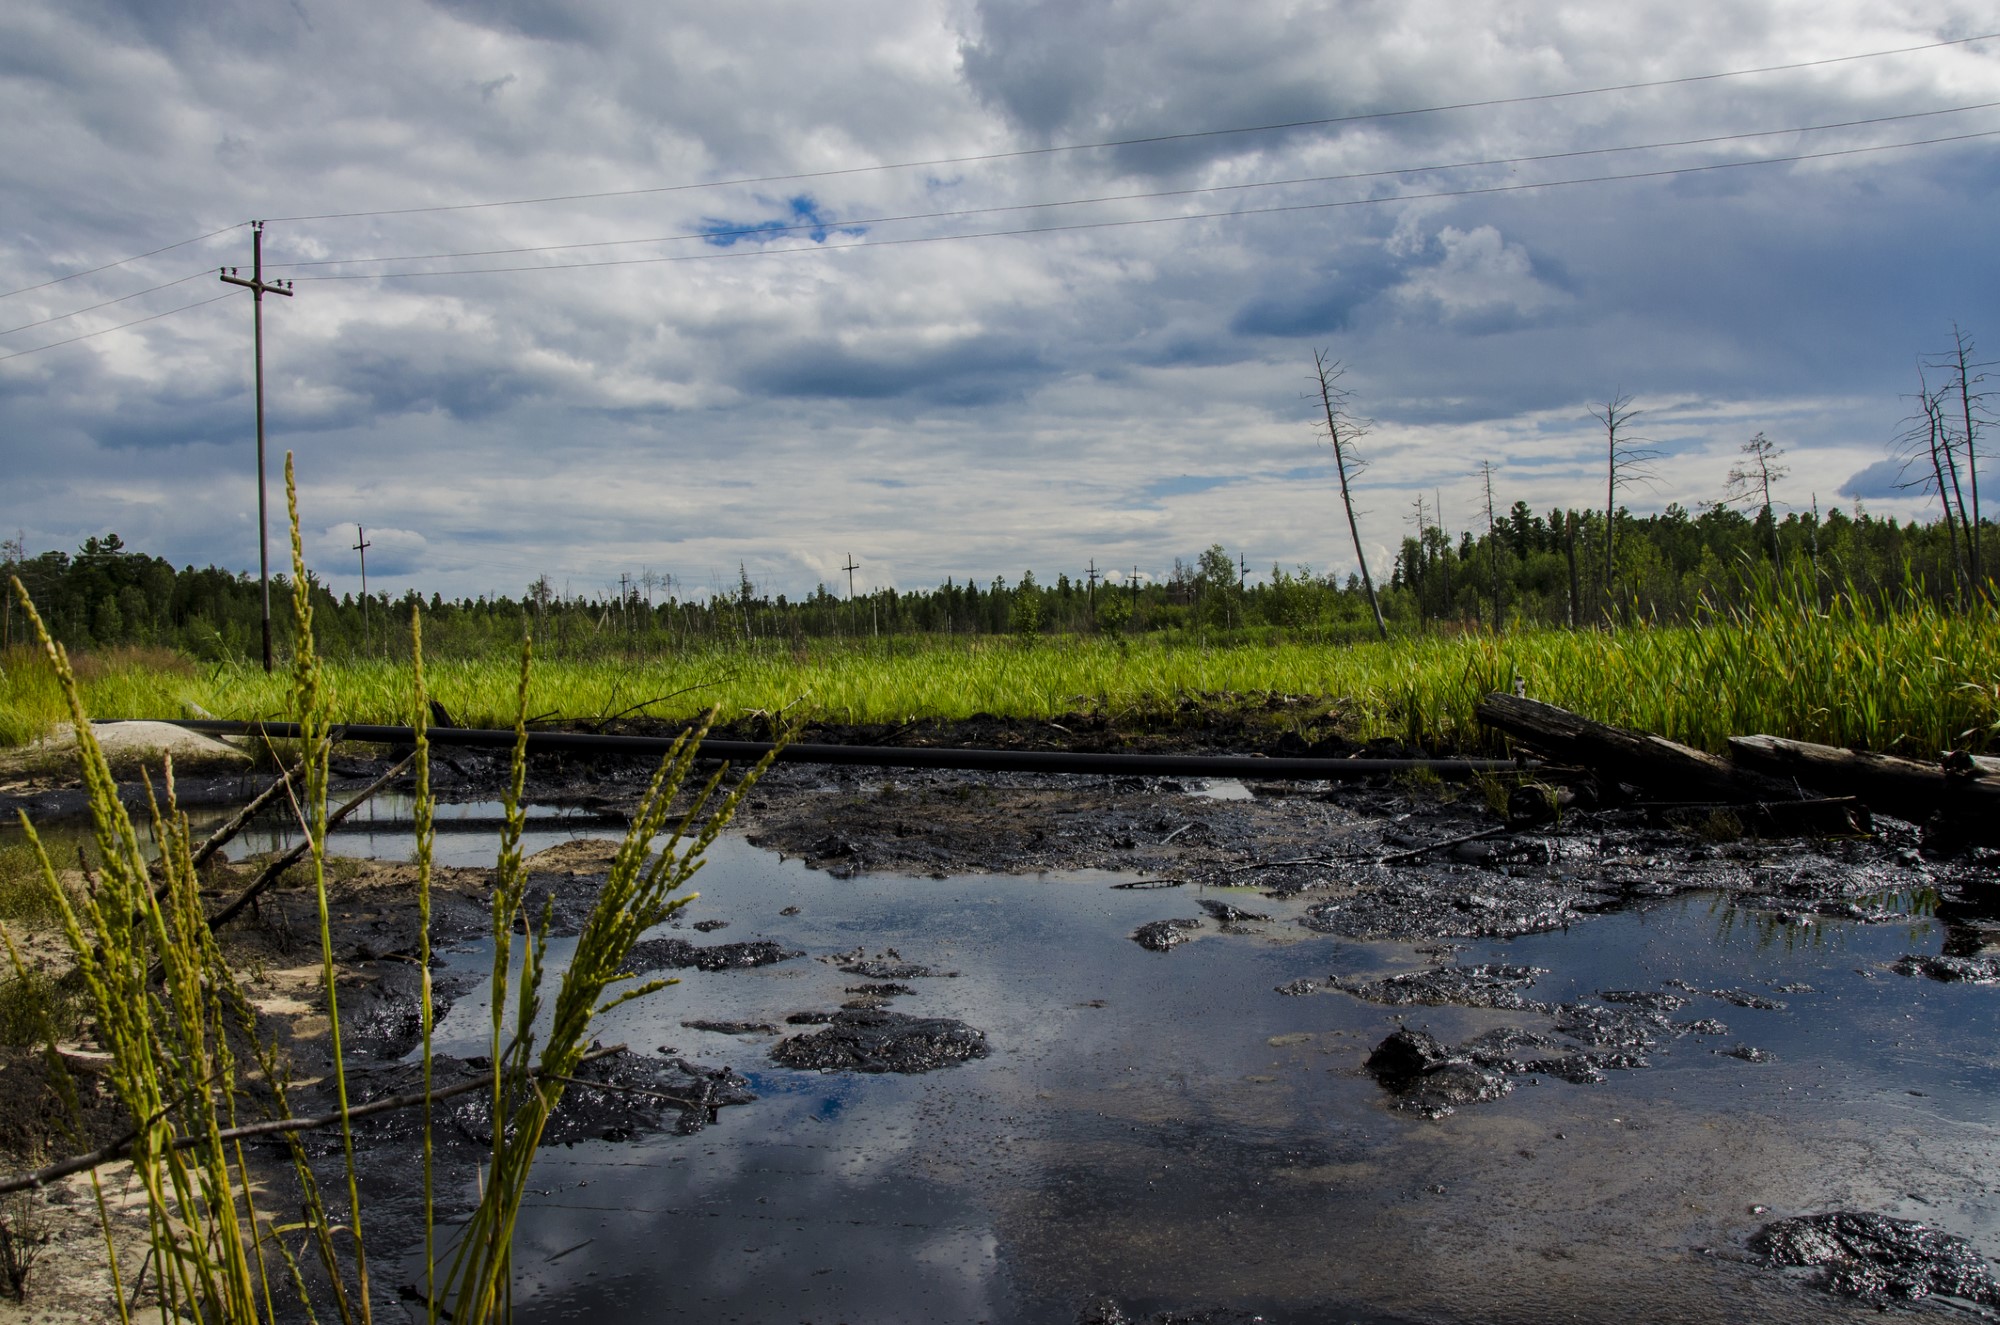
point(1492, 540)
point(1929, 448)
point(1967, 375)
point(1342, 429)
point(1626, 461)
point(1750, 480)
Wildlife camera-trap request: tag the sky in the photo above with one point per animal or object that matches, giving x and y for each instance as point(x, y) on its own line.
point(961, 288)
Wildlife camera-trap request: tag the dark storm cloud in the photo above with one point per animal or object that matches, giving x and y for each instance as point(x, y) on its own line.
point(979, 373)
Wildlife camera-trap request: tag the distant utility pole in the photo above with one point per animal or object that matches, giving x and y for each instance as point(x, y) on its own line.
point(625, 601)
point(258, 287)
point(361, 545)
point(851, 566)
point(1090, 590)
point(1242, 571)
point(1492, 540)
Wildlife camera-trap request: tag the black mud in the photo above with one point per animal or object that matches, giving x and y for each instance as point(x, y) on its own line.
point(867, 1040)
point(1972, 970)
point(1160, 935)
point(1484, 985)
point(1874, 1257)
point(680, 955)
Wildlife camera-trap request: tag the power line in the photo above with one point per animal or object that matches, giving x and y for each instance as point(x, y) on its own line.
point(92, 271)
point(123, 298)
point(1160, 220)
point(794, 227)
point(105, 331)
point(1190, 135)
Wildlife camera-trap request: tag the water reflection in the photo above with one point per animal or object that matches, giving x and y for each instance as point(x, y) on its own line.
point(1166, 1129)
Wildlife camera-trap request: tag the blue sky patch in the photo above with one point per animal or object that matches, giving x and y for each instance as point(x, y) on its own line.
point(801, 216)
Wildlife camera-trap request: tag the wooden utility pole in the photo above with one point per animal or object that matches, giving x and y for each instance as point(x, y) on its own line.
point(1090, 592)
point(258, 288)
point(361, 545)
point(850, 568)
point(1492, 541)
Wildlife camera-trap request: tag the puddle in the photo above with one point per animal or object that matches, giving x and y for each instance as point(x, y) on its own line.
point(1167, 1131)
point(1222, 789)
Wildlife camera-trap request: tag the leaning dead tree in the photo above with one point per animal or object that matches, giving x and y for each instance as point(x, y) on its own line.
point(1492, 540)
point(1342, 429)
point(1626, 458)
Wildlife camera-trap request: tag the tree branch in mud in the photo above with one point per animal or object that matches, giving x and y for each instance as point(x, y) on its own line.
point(276, 868)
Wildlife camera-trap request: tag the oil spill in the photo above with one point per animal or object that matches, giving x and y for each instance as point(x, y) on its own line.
point(870, 1040)
point(1878, 1259)
point(1161, 935)
point(1172, 1140)
point(1168, 1138)
point(679, 954)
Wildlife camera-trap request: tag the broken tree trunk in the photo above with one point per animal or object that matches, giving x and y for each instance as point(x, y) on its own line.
point(1663, 768)
point(1968, 799)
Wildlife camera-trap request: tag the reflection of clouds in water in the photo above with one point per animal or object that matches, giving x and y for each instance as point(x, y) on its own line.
point(1197, 1135)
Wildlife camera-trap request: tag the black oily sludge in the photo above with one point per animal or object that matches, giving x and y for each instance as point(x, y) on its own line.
point(1423, 906)
point(1160, 935)
point(867, 1040)
point(1484, 985)
point(1877, 1258)
point(679, 954)
point(1430, 1079)
point(1971, 970)
point(609, 1099)
point(875, 969)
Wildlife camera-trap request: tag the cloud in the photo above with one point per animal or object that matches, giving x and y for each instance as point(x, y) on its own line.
point(1127, 381)
point(1884, 478)
point(391, 553)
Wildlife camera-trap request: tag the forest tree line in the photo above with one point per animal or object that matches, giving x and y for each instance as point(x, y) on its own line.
point(1525, 569)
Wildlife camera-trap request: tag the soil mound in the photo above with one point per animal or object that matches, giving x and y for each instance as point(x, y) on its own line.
point(679, 954)
point(1878, 1258)
point(865, 1040)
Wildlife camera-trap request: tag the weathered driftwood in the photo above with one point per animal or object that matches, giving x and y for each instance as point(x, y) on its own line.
point(1663, 768)
point(1905, 788)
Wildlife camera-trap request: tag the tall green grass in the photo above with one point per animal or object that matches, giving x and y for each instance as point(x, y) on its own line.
point(187, 1052)
point(1914, 678)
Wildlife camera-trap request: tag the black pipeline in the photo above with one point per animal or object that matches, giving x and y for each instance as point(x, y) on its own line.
point(896, 756)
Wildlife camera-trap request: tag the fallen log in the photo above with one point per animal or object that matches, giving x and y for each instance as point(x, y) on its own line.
point(1664, 768)
point(1968, 800)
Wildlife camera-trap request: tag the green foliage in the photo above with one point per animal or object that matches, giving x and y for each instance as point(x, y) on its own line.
point(31, 1003)
point(185, 1046)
